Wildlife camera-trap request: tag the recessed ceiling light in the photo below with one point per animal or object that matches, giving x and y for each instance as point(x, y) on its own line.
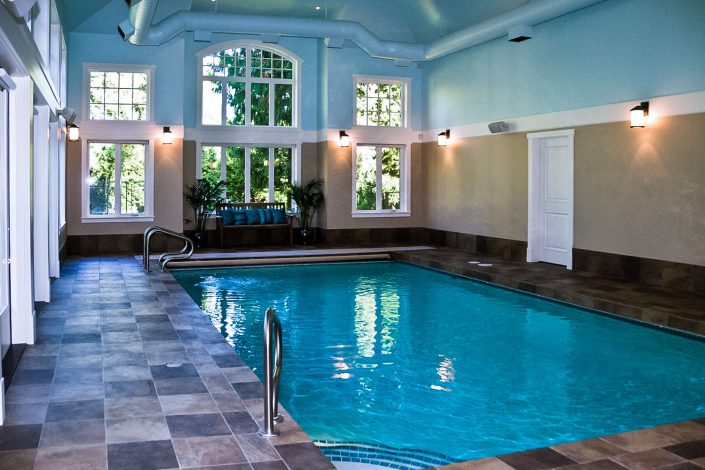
point(318, 7)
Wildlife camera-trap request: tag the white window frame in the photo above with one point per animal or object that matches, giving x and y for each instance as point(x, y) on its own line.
point(89, 67)
point(404, 183)
point(296, 64)
point(247, 147)
point(148, 215)
point(405, 82)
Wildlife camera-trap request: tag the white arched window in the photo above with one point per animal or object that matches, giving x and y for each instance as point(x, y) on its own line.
point(248, 85)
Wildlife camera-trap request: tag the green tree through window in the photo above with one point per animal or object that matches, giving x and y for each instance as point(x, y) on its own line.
point(253, 78)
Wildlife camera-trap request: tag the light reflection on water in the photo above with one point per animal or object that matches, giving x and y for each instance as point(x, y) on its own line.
point(397, 355)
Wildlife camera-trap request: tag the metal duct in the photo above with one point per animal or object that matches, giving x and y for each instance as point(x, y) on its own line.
point(530, 14)
point(141, 14)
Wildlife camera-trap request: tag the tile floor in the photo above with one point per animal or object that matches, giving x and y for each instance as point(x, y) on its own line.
point(96, 392)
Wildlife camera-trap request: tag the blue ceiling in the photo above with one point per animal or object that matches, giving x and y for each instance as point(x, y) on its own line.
point(416, 21)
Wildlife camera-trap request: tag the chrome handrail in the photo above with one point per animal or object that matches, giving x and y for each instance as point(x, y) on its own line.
point(185, 252)
point(271, 373)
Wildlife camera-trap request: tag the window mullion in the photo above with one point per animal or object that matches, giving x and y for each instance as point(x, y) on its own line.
point(247, 174)
point(378, 196)
point(248, 90)
point(224, 168)
point(118, 179)
point(271, 103)
point(224, 102)
point(271, 174)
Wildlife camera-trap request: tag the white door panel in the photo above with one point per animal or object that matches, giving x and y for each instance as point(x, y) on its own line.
point(550, 235)
point(5, 327)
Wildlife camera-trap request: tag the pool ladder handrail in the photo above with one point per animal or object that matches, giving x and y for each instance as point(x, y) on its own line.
point(272, 372)
point(166, 257)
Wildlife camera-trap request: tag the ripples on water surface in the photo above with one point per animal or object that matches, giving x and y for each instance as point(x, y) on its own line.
point(394, 354)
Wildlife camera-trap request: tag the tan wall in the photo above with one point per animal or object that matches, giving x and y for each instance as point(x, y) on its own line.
point(478, 185)
point(168, 207)
point(638, 192)
point(335, 168)
point(641, 192)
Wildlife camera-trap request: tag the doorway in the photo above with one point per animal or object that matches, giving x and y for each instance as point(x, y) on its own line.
point(550, 227)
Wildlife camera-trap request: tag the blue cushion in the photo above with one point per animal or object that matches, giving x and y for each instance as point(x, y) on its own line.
point(265, 216)
point(278, 216)
point(240, 217)
point(227, 216)
point(252, 217)
point(262, 215)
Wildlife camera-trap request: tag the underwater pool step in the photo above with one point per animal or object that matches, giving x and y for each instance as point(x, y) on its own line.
point(194, 263)
point(381, 455)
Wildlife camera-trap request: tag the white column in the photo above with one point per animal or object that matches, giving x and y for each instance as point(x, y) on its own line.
point(21, 295)
point(40, 222)
point(54, 199)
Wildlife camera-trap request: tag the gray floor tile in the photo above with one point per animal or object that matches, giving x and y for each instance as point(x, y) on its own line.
point(73, 433)
point(195, 425)
point(165, 372)
point(249, 390)
point(37, 362)
point(120, 373)
point(228, 401)
point(216, 383)
point(256, 448)
point(148, 428)
point(74, 458)
point(73, 362)
point(28, 393)
point(124, 359)
point(25, 413)
point(91, 375)
point(202, 451)
point(132, 407)
point(75, 410)
point(181, 386)
point(241, 422)
point(151, 455)
point(33, 376)
point(188, 404)
point(75, 392)
point(304, 456)
point(18, 459)
point(21, 436)
point(275, 465)
point(129, 388)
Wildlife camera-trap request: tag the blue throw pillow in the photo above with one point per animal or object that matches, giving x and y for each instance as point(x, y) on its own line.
point(227, 216)
point(240, 217)
point(278, 216)
point(252, 217)
point(267, 216)
point(262, 215)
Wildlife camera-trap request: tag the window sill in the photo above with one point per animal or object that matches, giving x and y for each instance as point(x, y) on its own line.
point(358, 215)
point(117, 219)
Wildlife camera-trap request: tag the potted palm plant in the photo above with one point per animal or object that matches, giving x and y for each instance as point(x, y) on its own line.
point(203, 196)
point(308, 198)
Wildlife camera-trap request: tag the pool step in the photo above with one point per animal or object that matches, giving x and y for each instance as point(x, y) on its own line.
point(196, 263)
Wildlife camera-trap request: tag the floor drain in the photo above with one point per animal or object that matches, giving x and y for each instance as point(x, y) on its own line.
point(173, 364)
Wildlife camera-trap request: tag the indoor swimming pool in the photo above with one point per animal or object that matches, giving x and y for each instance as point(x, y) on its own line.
point(388, 362)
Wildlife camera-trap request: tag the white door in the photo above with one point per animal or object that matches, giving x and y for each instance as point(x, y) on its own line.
point(550, 237)
point(5, 327)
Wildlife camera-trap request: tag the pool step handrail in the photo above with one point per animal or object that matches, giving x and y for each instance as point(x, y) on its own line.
point(272, 372)
point(185, 252)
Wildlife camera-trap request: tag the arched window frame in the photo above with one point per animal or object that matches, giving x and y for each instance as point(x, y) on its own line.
point(294, 81)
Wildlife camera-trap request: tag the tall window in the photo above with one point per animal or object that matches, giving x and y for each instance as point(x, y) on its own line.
point(380, 102)
point(378, 179)
point(248, 86)
point(119, 93)
point(116, 179)
point(251, 174)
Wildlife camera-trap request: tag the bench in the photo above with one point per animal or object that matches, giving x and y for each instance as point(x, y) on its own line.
point(221, 227)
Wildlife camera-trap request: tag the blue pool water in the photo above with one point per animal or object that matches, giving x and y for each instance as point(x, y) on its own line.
point(392, 354)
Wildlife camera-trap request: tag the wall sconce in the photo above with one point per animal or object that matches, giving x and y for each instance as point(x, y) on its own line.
point(639, 114)
point(343, 140)
point(444, 138)
point(167, 136)
point(74, 133)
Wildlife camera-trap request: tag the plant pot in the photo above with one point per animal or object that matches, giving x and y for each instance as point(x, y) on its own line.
point(305, 235)
point(199, 239)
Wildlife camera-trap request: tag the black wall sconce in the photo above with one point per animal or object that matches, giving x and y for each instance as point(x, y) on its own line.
point(638, 114)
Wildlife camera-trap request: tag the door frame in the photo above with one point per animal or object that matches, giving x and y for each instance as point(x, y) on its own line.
point(536, 140)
